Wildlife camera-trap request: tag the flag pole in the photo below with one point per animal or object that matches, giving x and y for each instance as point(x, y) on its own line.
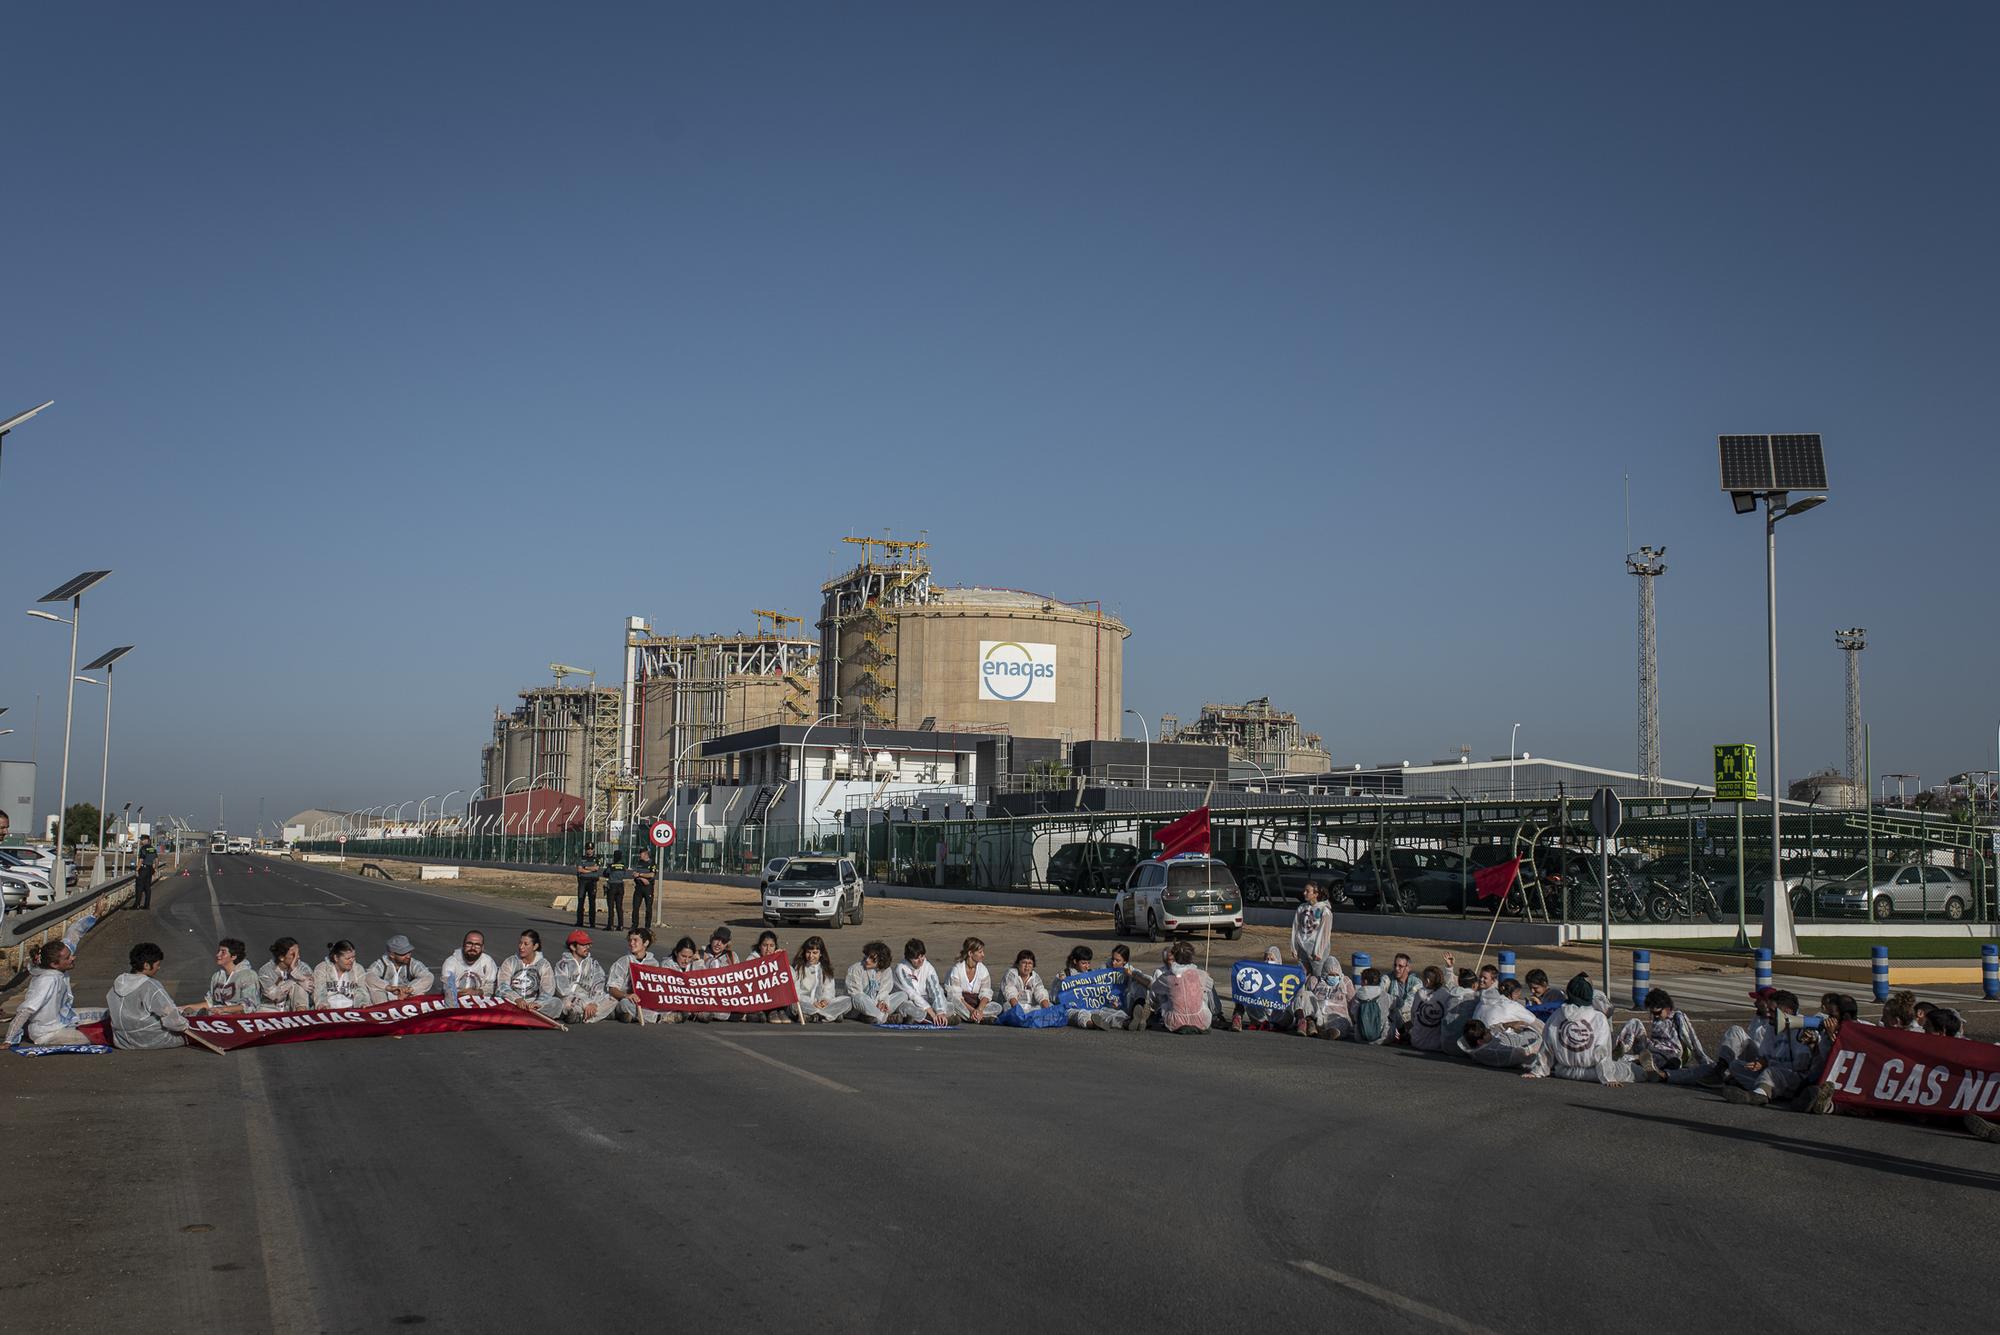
point(1499, 903)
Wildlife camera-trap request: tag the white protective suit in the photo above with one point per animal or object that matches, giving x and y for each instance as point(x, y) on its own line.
point(281, 991)
point(1324, 1000)
point(1576, 1045)
point(333, 989)
point(1102, 1017)
point(712, 960)
point(917, 991)
point(1029, 993)
point(1312, 937)
point(142, 1015)
point(238, 985)
point(1363, 994)
point(1402, 998)
point(1515, 1035)
point(1425, 1028)
point(870, 993)
point(47, 1014)
point(476, 979)
point(1672, 1042)
point(533, 984)
point(976, 980)
point(1789, 1063)
point(818, 999)
point(1161, 994)
point(1460, 1003)
point(1739, 1043)
point(620, 977)
point(385, 973)
point(581, 983)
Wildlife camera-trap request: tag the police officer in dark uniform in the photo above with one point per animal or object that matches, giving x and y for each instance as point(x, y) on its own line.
point(642, 888)
point(614, 888)
point(587, 872)
point(142, 884)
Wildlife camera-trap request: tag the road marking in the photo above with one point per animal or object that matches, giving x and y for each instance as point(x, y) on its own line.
point(801, 1071)
point(1377, 1293)
point(286, 1285)
point(214, 904)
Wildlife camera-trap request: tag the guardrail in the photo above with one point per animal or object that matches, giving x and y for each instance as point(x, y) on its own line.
point(26, 932)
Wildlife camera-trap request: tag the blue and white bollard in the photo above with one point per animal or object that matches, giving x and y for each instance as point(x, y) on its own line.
point(1357, 962)
point(1989, 971)
point(1878, 961)
point(1642, 977)
point(1506, 965)
point(1763, 967)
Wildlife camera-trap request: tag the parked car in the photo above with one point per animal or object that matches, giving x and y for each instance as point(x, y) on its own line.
point(823, 890)
point(1095, 867)
point(1277, 875)
point(42, 858)
point(20, 892)
point(1914, 890)
point(1190, 893)
point(772, 871)
point(1406, 880)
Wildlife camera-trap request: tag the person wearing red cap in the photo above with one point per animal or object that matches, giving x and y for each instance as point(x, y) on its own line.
point(580, 982)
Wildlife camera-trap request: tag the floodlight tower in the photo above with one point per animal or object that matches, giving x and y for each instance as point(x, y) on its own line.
point(1854, 640)
point(1648, 564)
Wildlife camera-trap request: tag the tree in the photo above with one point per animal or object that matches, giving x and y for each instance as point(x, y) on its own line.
point(80, 824)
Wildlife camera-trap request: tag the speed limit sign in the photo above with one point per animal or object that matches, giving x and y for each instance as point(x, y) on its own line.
point(662, 834)
point(343, 838)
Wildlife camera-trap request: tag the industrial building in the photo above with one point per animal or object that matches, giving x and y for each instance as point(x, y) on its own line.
point(1258, 736)
point(563, 738)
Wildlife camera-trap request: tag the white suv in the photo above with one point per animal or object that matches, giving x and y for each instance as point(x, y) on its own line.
point(1191, 893)
point(814, 889)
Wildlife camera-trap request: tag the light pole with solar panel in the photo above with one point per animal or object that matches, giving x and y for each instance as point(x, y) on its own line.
point(1771, 468)
point(71, 593)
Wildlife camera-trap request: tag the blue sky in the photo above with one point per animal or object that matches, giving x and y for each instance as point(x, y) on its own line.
point(400, 350)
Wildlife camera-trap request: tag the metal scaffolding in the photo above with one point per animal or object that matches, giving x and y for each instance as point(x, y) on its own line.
point(1852, 641)
point(1648, 564)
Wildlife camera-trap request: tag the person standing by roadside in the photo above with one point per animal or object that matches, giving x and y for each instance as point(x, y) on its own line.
point(614, 888)
point(1312, 931)
point(643, 881)
point(587, 872)
point(142, 883)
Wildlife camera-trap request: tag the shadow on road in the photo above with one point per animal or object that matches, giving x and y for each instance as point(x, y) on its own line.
point(1858, 1158)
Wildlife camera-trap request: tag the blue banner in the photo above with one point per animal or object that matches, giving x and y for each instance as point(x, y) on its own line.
point(1271, 986)
point(1103, 990)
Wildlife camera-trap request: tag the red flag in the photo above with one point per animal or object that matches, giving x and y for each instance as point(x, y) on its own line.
point(1494, 882)
point(1189, 834)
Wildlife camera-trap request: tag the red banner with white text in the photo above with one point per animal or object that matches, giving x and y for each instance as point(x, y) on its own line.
point(760, 983)
point(418, 1015)
point(1896, 1070)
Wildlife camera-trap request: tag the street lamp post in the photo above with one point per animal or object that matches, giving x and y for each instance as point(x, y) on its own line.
point(675, 799)
point(72, 592)
point(1146, 731)
point(107, 662)
point(802, 783)
point(1512, 756)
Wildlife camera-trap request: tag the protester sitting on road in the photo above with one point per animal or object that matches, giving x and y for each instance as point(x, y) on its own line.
point(339, 982)
point(1783, 1065)
point(684, 956)
point(527, 980)
point(767, 944)
point(812, 973)
point(1900, 1012)
point(1921, 1013)
point(1255, 1015)
point(717, 955)
point(47, 1016)
point(142, 1015)
point(1022, 986)
point(970, 988)
point(1312, 931)
point(1400, 987)
point(871, 986)
point(399, 974)
point(234, 989)
point(1322, 1004)
point(1944, 1020)
point(1836, 1009)
point(1426, 1024)
point(471, 971)
point(1664, 1043)
point(1739, 1043)
point(618, 982)
point(919, 997)
point(1118, 1015)
point(1576, 1041)
point(1461, 999)
point(285, 983)
point(580, 983)
point(1499, 1007)
point(1540, 994)
point(1369, 1017)
point(1182, 999)
point(1502, 1032)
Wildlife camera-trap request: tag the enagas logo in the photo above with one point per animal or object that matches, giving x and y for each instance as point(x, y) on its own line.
point(1014, 671)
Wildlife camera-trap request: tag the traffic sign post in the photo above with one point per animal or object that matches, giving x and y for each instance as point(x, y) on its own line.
point(662, 834)
point(1607, 813)
point(1736, 781)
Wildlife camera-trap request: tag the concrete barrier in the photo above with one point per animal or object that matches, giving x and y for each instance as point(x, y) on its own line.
point(26, 932)
point(433, 872)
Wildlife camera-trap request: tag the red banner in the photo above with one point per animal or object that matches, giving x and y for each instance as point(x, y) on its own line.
point(418, 1015)
point(1895, 1070)
point(1493, 882)
point(1189, 834)
point(761, 983)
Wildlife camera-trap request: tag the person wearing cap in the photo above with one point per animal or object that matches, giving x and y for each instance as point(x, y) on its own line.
point(527, 980)
point(1576, 1041)
point(643, 880)
point(399, 973)
point(615, 873)
point(580, 982)
point(717, 956)
point(618, 982)
point(587, 872)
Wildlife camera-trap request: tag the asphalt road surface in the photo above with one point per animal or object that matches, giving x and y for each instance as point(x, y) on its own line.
point(756, 1177)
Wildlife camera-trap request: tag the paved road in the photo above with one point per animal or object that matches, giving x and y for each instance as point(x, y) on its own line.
point(840, 1179)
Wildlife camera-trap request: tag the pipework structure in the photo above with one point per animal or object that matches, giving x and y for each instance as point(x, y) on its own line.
point(1648, 564)
point(1852, 641)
